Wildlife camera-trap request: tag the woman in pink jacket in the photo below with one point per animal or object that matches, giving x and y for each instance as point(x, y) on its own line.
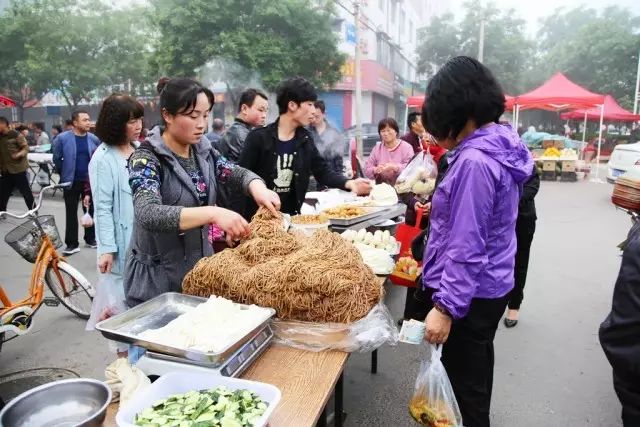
point(390, 156)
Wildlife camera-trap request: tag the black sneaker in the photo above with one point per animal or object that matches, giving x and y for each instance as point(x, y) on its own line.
point(91, 244)
point(71, 250)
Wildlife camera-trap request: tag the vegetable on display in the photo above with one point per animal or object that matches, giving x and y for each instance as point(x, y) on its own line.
point(205, 408)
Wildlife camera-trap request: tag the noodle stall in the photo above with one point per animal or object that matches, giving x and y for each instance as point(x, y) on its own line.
point(316, 285)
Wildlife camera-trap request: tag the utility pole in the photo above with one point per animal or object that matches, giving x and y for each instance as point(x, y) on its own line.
point(481, 36)
point(635, 94)
point(358, 103)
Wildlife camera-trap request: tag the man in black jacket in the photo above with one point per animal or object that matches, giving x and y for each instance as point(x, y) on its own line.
point(252, 113)
point(620, 331)
point(283, 153)
point(525, 229)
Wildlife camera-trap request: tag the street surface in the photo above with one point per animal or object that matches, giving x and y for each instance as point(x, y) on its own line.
point(550, 369)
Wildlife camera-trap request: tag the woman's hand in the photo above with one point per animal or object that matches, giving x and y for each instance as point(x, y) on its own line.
point(230, 222)
point(264, 197)
point(360, 186)
point(426, 208)
point(86, 201)
point(438, 326)
point(105, 263)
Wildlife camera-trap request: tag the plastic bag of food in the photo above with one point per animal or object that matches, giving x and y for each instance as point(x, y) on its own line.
point(419, 177)
point(364, 335)
point(86, 221)
point(433, 403)
point(108, 301)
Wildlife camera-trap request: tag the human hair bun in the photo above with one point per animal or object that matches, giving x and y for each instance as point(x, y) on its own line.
point(162, 82)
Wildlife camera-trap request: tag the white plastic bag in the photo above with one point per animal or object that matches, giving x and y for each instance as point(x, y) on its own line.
point(433, 403)
point(364, 335)
point(86, 221)
point(42, 178)
point(109, 299)
point(125, 381)
point(419, 177)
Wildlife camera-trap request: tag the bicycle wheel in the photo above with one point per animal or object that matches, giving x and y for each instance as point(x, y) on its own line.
point(76, 294)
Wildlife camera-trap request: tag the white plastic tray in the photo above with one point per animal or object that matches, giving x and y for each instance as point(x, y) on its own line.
point(183, 382)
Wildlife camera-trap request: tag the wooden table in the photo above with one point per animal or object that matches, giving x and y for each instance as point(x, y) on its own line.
point(306, 380)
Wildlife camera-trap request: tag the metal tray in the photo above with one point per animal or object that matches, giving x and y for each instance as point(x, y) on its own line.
point(372, 212)
point(156, 313)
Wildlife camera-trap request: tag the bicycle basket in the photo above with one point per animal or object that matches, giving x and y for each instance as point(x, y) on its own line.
point(25, 238)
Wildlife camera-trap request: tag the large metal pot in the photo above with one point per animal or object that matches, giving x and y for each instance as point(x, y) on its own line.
point(72, 402)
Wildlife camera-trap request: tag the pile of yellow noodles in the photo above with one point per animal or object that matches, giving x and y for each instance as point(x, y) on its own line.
point(321, 278)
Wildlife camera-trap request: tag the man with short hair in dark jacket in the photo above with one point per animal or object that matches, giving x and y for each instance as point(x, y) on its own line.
point(252, 113)
point(416, 131)
point(283, 153)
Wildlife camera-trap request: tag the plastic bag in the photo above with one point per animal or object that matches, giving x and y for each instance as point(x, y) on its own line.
point(125, 381)
point(433, 403)
point(364, 335)
point(108, 301)
point(86, 221)
point(419, 177)
point(42, 178)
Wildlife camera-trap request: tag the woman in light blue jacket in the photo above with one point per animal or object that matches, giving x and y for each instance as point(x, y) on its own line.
point(118, 127)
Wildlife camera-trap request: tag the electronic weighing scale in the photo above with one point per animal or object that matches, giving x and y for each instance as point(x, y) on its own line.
point(152, 363)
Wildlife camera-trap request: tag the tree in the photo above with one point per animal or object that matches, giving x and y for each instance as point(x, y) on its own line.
point(600, 54)
point(506, 48)
point(86, 47)
point(437, 42)
point(15, 81)
point(274, 38)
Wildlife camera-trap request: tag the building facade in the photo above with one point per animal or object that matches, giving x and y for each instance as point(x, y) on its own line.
point(388, 40)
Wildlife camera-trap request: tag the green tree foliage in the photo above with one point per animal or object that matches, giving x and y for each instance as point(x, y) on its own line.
point(78, 47)
point(274, 38)
point(506, 49)
point(598, 51)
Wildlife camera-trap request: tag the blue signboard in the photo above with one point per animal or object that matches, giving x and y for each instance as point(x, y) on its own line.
point(350, 33)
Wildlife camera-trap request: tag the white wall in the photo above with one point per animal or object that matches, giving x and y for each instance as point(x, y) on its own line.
point(367, 108)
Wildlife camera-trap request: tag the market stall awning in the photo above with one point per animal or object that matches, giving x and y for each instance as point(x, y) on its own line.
point(418, 100)
point(612, 111)
point(557, 94)
point(6, 102)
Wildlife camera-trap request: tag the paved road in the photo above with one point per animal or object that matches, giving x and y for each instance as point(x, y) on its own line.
point(550, 369)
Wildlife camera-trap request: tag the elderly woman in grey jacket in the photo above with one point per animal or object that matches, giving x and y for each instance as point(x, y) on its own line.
point(175, 177)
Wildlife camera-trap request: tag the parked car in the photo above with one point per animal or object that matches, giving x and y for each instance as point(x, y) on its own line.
point(623, 157)
point(370, 137)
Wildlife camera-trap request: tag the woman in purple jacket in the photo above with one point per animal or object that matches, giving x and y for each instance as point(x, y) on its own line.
point(469, 257)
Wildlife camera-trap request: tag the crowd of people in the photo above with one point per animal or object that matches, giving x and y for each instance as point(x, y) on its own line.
point(162, 201)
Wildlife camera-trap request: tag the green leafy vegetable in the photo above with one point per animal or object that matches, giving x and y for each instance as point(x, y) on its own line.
point(218, 407)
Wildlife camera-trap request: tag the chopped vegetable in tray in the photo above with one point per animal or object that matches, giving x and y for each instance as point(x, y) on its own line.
point(205, 408)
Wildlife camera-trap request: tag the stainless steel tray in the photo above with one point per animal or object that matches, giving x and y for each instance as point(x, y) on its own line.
point(372, 213)
point(156, 313)
point(386, 212)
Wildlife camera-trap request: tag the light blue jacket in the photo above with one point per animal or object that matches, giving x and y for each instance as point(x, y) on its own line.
point(64, 153)
point(113, 204)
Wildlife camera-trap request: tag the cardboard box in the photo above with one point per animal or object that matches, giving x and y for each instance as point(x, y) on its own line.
point(548, 143)
point(549, 165)
point(568, 166)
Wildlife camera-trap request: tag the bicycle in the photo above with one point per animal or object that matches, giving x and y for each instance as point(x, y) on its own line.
point(36, 240)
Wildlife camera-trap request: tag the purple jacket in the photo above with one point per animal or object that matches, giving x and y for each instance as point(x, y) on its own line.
point(472, 243)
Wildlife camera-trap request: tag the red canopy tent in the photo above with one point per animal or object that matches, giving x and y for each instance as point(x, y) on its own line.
point(6, 102)
point(559, 93)
point(613, 111)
